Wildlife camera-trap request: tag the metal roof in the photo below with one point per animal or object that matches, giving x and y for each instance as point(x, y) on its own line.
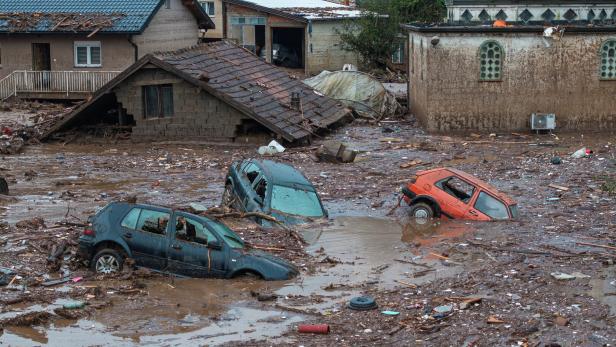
point(121, 16)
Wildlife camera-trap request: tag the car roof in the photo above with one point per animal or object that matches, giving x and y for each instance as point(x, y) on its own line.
point(157, 207)
point(283, 174)
point(477, 181)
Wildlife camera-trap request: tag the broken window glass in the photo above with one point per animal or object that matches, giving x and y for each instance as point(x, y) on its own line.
point(491, 206)
point(490, 59)
point(190, 230)
point(296, 201)
point(130, 221)
point(261, 188)
point(608, 60)
point(153, 222)
point(457, 188)
point(251, 171)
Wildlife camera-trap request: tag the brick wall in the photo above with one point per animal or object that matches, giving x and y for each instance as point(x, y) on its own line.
point(198, 116)
point(446, 93)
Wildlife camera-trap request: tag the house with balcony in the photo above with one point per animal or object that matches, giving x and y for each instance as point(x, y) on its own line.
point(67, 49)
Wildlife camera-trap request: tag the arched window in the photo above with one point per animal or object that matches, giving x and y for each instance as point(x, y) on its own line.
point(491, 61)
point(608, 60)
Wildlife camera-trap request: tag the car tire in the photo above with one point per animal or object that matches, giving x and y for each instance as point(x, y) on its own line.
point(227, 196)
point(107, 260)
point(422, 210)
point(362, 303)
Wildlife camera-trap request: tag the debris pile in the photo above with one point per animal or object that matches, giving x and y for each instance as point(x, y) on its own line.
point(59, 21)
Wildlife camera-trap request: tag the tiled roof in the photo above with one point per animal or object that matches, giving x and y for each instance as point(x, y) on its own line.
point(133, 14)
point(234, 75)
point(259, 89)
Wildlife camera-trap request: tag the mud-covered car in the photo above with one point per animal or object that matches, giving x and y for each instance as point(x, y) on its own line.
point(173, 241)
point(456, 194)
point(274, 189)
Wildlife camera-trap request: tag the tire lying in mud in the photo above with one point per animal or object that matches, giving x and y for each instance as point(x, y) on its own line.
point(4, 187)
point(107, 260)
point(362, 303)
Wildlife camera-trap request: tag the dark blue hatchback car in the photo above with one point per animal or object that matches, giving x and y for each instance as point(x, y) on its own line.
point(274, 189)
point(173, 241)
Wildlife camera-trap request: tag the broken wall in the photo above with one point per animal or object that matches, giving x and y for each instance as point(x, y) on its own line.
point(197, 116)
point(447, 95)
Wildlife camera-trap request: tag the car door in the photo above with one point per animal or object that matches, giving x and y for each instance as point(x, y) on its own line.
point(488, 207)
point(145, 232)
point(245, 193)
point(189, 254)
point(458, 194)
point(218, 255)
point(257, 195)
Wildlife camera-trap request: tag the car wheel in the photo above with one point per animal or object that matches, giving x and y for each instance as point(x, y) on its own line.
point(107, 261)
point(227, 196)
point(421, 210)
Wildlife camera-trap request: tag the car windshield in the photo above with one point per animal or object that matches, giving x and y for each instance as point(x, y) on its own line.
point(230, 237)
point(491, 206)
point(296, 201)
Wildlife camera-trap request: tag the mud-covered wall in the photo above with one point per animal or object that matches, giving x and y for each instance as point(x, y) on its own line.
point(197, 116)
point(324, 48)
point(539, 75)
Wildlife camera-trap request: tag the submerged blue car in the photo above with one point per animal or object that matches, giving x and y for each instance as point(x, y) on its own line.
point(274, 189)
point(173, 241)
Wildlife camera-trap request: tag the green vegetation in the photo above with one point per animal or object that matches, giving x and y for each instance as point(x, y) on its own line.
point(376, 35)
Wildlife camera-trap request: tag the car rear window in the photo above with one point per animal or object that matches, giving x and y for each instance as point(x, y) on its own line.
point(491, 206)
point(130, 221)
point(296, 201)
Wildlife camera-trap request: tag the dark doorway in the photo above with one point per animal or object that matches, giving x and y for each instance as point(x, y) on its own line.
point(41, 61)
point(260, 41)
point(288, 47)
point(41, 57)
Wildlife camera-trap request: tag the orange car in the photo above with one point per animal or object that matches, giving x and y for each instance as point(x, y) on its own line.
point(455, 194)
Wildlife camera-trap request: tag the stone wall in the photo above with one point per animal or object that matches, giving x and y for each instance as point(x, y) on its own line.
point(539, 75)
point(198, 116)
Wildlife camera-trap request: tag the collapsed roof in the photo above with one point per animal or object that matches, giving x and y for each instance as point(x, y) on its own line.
point(234, 75)
point(71, 16)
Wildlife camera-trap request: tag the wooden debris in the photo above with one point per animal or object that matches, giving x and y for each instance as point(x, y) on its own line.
point(555, 186)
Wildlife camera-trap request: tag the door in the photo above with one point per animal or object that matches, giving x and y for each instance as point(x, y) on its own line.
point(188, 252)
point(41, 61)
point(250, 174)
point(455, 203)
point(145, 232)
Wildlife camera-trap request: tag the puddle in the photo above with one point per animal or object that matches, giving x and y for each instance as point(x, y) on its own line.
point(375, 252)
point(185, 312)
point(604, 288)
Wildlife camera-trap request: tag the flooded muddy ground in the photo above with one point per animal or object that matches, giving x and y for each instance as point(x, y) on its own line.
point(506, 268)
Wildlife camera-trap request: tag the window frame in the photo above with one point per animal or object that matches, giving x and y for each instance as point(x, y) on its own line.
point(399, 53)
point(88, 45)
point(439, 185)
point(164, 231)
point(501, 61)
point(207, 6)
point(160, 108)
point(204, 228)
point(603, 45)
point(134, 227)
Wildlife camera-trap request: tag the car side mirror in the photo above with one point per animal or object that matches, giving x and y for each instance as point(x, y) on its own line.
point(214, 244)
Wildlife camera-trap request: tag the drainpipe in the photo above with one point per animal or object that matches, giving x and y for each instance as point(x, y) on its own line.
point(136, 48)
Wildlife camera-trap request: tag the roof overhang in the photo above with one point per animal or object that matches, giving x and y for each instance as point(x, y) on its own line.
point(204, 21)
point(269, 10)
